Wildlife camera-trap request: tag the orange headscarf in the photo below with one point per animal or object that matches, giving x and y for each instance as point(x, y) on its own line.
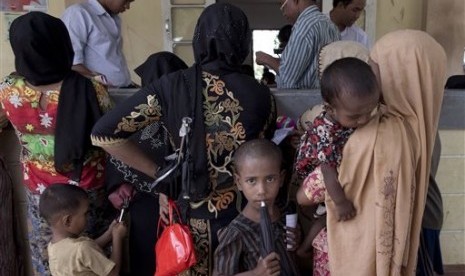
point(386, 163)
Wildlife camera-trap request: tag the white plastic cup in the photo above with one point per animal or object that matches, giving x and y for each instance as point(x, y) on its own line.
point(291, 221)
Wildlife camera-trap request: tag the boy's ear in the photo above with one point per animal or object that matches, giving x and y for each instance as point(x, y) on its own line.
point(66, 220)
point(236, 180)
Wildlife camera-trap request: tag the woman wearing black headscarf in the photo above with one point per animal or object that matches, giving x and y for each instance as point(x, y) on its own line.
point(227, 107)
point(157, 65)
point(53, 110)
point(124, 182)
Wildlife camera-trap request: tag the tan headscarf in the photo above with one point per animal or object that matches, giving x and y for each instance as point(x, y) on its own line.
point(386, 163)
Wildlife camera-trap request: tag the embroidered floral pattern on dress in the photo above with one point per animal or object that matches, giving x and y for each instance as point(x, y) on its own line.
point(227, 126)
point(15, 100)
point(224, 130)
point(35, 127)
point(103, 99)
point(388, 196)
point(40, 188)
point(152, 138)
point(143, 113)
point(201, 234)
point(29, 127)
point(45, 120)
point(32, 96)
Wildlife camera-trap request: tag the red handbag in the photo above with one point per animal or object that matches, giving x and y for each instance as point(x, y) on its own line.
point(174, 249)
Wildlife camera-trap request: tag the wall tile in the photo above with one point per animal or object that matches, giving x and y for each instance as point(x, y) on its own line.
point(452, 142)
point(451, 175)
point(454, 212)
point(453, 247)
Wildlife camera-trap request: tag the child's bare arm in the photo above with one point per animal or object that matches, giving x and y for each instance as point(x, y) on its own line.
point(105, 238)
point(332, 183)
point(305, 249)
point(119, 231)
point(344, 207)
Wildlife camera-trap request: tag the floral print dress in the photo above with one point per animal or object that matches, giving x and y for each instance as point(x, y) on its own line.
point(321, 144)
point(35, 128)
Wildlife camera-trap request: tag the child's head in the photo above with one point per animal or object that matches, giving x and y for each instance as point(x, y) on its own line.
point(268, 78)
point(65, 207)
point(283, 37)
point(350, 90)
point(258, 171)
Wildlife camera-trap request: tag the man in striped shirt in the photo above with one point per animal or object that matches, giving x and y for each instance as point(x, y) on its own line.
point(298, 66)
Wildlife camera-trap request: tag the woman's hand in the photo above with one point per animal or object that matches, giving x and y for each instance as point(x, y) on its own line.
point(163, 201)
point(117, 197)
point(268, 266)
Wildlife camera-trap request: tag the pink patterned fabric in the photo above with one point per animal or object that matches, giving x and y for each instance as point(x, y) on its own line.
point(320, 254)
point(314, 189)
point(314, 186)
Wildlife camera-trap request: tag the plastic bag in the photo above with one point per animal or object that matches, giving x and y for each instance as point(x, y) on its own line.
point(174, 249)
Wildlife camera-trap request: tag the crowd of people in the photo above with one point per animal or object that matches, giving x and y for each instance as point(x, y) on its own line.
point(202, 136)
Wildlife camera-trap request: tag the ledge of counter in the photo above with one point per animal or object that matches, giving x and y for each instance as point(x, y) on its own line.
point(293, 102)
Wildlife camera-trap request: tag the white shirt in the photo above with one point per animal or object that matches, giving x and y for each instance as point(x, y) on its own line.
point(354, 33)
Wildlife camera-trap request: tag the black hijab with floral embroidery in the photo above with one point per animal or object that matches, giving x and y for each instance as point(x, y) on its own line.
point(221, 43)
